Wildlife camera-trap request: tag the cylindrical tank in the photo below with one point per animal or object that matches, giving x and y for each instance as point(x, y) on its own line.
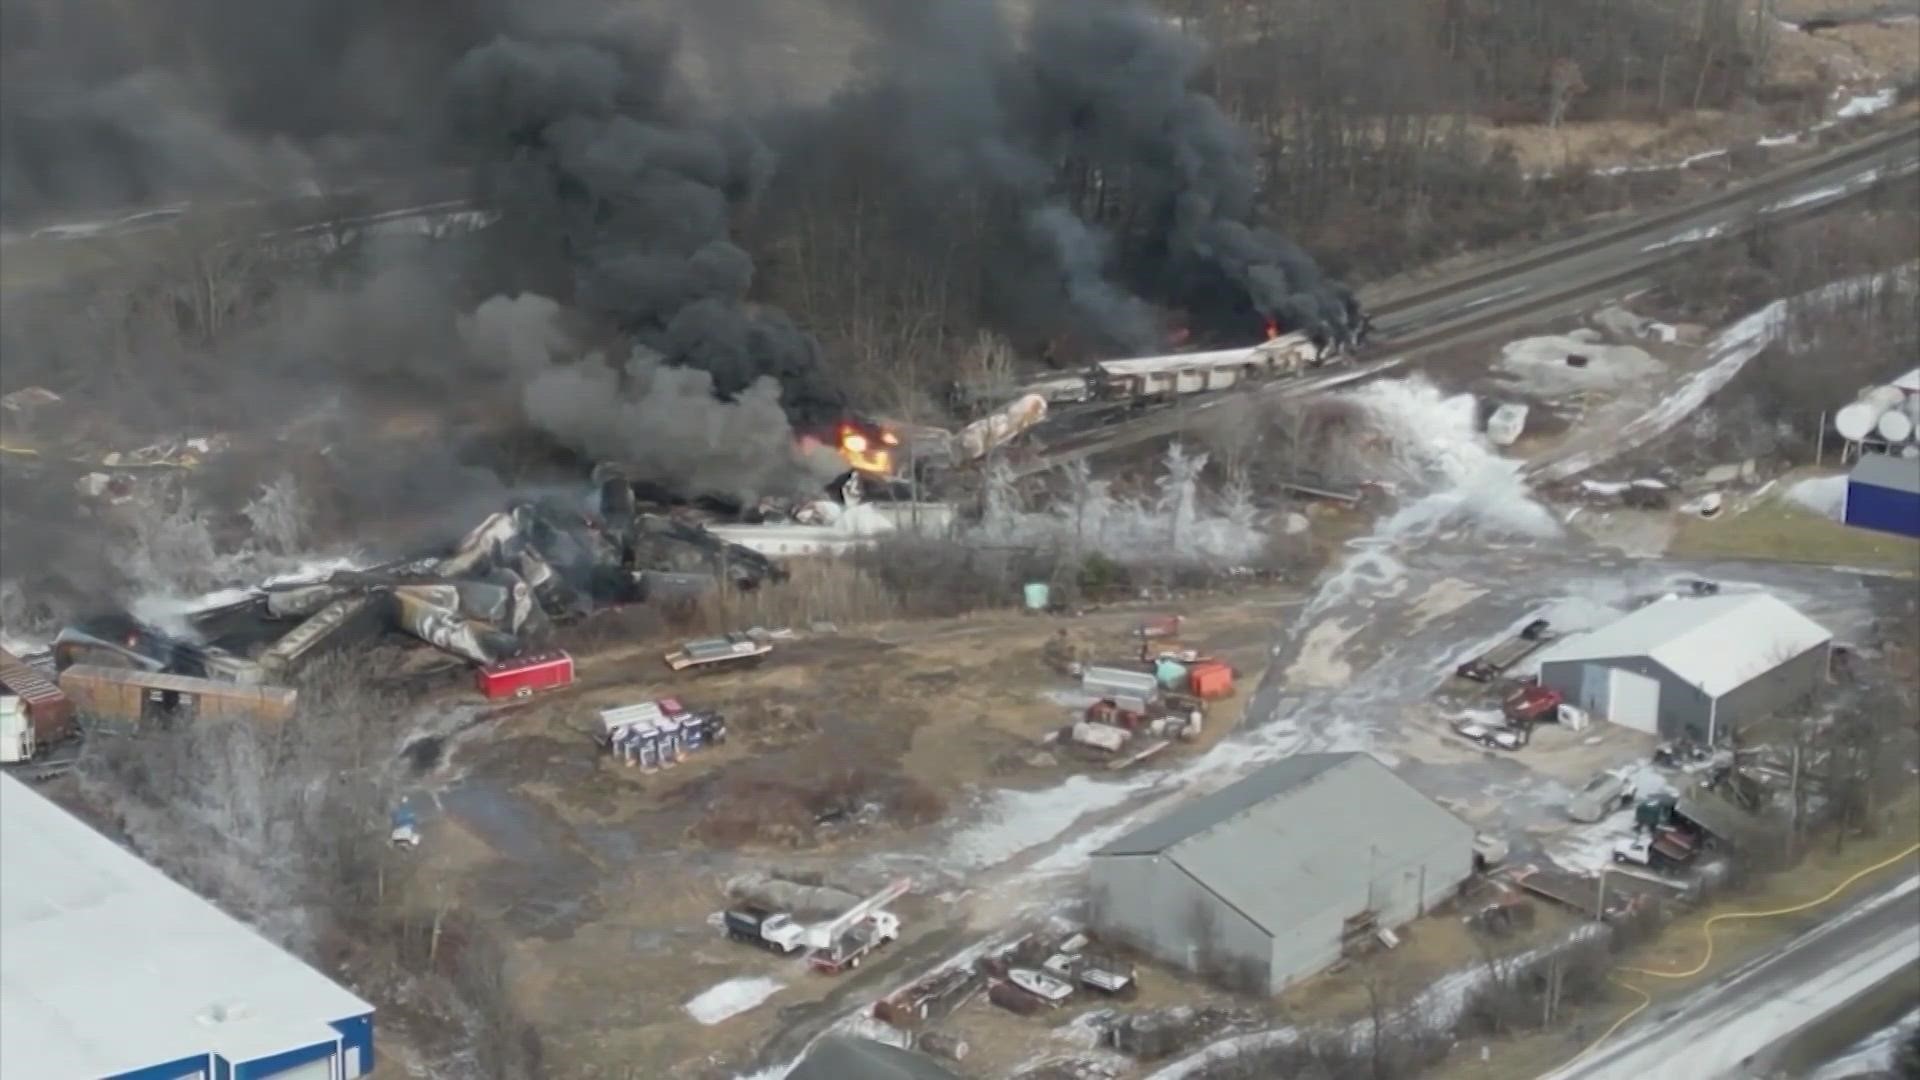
point(1855, 422)
point(1895, 426)
point(1883, 398)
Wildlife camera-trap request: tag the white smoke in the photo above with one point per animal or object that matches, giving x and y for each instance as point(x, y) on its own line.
point(170, 553)
point(1175, 524)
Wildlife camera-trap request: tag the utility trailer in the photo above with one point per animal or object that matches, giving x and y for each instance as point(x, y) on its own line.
point(521, 676)
point(708, 654)
point(1533, 637)
point(1659, 849)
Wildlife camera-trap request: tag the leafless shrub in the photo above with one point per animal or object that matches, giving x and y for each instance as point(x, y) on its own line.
point(506, 1045)
point(1531, 996)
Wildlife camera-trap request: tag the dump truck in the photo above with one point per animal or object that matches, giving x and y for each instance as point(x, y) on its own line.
point(774, 931)
point(1533, 637)
point(721, 652)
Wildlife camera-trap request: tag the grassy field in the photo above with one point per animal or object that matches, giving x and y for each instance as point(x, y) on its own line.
point(1777, 529)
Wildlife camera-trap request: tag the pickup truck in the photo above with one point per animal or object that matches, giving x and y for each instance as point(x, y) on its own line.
point(1604, 794)
point(1533, 637)
point(1489, 735)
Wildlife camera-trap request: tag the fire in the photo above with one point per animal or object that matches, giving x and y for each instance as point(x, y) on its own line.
point(867, 447)
point(1273, 329)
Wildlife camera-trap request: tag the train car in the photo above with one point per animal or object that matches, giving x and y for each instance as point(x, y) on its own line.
point(47, 711)
point(1176, 374)
point(130, 699)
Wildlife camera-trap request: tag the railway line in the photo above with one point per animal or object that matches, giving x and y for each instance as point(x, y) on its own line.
point(1543, 284)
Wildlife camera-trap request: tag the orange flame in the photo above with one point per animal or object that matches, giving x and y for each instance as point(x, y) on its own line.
point(869, 451)
point(1273, 329)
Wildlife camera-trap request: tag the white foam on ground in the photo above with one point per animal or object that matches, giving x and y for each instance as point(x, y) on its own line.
point(1435, 444)
point(1824, 495)
point(731, 998)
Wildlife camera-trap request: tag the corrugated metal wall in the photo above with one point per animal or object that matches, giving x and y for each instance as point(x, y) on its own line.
point(1883, 509)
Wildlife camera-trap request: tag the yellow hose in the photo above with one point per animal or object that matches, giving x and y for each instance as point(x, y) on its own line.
point(1706, 929)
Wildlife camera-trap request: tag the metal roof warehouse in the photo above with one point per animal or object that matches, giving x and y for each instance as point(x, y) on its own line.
point(110, 969)
point(1265, 881)
point(1687, 668)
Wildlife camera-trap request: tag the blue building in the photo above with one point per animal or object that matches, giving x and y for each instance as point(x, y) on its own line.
point(1883, 493)
point(111, 971)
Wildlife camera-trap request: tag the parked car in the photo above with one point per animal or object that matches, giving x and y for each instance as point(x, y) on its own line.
point(1489, 735)
point(1603, 795)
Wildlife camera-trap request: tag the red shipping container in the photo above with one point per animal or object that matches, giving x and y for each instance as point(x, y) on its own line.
point(1210, 679)
point(522, 675)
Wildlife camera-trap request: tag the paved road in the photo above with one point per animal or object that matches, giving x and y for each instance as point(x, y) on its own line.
point(1714, 1031)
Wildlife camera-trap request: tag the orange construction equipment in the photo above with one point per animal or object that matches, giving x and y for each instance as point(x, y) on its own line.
point(1210, 679)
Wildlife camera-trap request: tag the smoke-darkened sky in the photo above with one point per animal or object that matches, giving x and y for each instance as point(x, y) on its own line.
point(620, 181)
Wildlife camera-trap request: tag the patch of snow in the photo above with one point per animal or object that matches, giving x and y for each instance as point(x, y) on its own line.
point(1014, 821)
point(1871, 1056)
point(1691, 236)
point(1824, 495)
point(731, 998)
point(1770, 141)
point(1728, 352)
point(1805, 198)
point(1687, 162)
point(1867, 104)
point(1603, 487)
point(1438, 1007)
point(1540, 364)
point(1070, 699)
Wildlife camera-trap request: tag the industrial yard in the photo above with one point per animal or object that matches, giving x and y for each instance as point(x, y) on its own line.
point(614, 593)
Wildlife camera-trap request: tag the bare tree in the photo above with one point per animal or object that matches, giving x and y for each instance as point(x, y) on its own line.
point(1564, 83)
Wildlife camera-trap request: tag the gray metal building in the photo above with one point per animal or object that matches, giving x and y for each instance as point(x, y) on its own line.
point(1690, 668)
point(1261, 882)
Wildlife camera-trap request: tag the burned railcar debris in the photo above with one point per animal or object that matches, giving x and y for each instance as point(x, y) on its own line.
point(494, 595)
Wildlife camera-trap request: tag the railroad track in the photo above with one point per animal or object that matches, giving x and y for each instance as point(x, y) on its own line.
point(1595, 266)
point(1735, 196)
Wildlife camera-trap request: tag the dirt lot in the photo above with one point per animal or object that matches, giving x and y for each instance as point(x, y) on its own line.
point(606, 875)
